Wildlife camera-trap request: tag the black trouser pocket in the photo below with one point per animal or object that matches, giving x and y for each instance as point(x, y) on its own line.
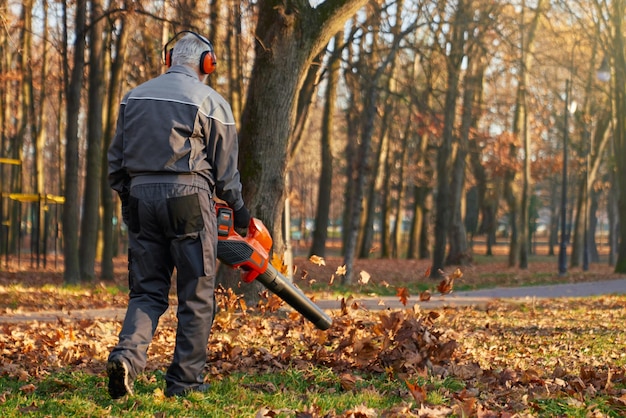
point(185, 214)
point(133, 214)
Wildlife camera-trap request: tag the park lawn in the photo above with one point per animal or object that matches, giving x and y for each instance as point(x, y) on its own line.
point(555, 357)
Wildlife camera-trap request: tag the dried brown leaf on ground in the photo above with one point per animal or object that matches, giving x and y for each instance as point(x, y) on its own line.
point(417, 392)
point(508, 356)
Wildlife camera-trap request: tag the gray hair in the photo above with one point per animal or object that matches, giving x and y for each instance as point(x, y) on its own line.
point(188, 49)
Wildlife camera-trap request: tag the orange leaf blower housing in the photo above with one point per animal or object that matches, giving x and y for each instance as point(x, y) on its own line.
point(251, 255)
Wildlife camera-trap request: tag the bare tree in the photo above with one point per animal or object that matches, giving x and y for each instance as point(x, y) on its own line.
point(289, 37)
point(320, 234)
point(519, 200)
point(618, 59)
point(367, 118)
point(115, 67)
point(71, 210)
point(444, 201)
point(90, 221)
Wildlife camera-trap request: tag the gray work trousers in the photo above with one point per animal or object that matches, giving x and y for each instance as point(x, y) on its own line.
point(170, 226)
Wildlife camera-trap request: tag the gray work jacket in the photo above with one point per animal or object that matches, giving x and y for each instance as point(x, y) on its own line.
point(174, 125)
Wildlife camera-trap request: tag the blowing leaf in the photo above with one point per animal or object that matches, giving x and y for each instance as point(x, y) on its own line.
point(364, 277)
point(425, 296)
point(277, 262)
point(403, 294)
point(316, 259)
point(445, 285)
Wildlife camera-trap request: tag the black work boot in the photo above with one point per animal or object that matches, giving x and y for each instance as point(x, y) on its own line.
point(120, 383)
point(204, 387)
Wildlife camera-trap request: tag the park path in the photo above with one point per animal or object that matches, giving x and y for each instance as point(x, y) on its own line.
point(484, 296)
point(454, 299)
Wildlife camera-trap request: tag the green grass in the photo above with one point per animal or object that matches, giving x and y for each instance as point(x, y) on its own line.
point(67, 393)
point(81, 394)
point(574, 408)
point(287, 393)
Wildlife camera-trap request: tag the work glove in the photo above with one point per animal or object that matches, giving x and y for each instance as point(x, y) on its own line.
point(241, 220)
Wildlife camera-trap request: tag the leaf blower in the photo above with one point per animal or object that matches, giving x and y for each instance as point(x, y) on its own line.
point(251, 255)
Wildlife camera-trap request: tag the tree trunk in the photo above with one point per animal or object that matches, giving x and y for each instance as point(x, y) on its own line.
point(363, 156)
point(71, 212)
point(594, 256)
point(444, 198)
point(370, 102)
point(460, 252)
point(554, 218)
point(419, 240)
point(618, 49)
point(385, 200)
point(27, 118)
point(109, 202)
point(350, 151)
point(401, 201)
point(519, 200)
point(90, 221)
point(320, 233)
point(377, 196)
point(287, 42)
point(288, 39)
point(233, 53)
point(488, 196)
point(524, 241)
point(40, 140)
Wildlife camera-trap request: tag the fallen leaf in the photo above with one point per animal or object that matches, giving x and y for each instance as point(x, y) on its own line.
point(29, 388)
point(158, 394)
point(417, 391)
point(347, 381)
point(361, 411)
point(265, 413)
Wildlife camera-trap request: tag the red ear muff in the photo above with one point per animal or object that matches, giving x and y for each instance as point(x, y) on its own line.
point(168, 57)
point(207, 62)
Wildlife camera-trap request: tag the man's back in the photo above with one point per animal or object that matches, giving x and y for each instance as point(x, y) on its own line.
point(165, 123)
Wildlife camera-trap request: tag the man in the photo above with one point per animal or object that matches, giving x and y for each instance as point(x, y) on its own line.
point(174, 147)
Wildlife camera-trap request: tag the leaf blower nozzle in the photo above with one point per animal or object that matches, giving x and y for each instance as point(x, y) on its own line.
point(251, 255)
point(282, 288)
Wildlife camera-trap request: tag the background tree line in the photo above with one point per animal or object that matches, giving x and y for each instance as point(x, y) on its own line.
point(427, 121)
